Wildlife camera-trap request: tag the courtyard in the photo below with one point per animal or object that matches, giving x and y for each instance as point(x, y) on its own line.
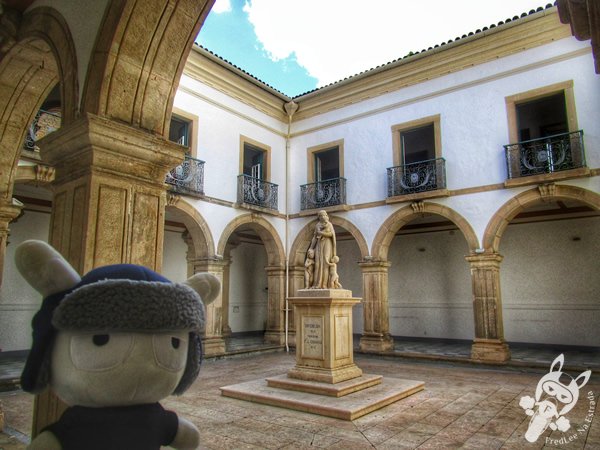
point(462, 406)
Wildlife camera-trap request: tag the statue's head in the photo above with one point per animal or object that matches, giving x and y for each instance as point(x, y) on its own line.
point(323, 217)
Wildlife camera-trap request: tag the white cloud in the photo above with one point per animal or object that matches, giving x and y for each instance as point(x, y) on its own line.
point(334, 39)
point(221, 6)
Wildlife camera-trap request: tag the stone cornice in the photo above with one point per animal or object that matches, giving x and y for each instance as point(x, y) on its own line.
point(207, 68)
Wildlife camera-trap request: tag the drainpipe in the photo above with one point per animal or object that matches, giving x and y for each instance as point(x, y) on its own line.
point(290, 109)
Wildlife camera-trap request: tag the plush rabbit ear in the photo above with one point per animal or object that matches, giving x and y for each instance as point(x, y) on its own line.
point(205, 284)
point(44, 268)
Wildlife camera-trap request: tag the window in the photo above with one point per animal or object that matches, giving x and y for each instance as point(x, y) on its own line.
point(325, 162)
point(418, 165)
point(542, 112)
point(418, 144)
point(255, 159)
point(417, 141)
point(542, 117)
point(181, 130)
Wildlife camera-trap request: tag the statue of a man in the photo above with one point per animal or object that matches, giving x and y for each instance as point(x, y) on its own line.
point(323, 249)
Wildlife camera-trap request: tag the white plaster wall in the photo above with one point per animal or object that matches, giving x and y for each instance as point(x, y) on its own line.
point(551, 283)
point(221, 122)
point(474, 125)
point(248, 288)
point(174, 265)
point(18, 301)
point(429, 287)
point(83, 32)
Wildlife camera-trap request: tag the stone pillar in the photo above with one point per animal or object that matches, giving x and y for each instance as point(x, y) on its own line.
point(214, 341)
point(376, 335)
point(275, 332)
point(109, 203)
point(489, 344)
point(296, 282)
point(8, 212)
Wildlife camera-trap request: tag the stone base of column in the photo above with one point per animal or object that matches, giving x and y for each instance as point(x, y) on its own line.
point(376, 344)
point(275, 337)
point(214, 345)
point(490, 350)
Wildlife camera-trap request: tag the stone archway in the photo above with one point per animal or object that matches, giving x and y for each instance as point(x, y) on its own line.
point(201, 238)
point(508, 211)
point(397, 220)
point(133, 76)
point(549, 285)
point(377, 336)
point(275, 273)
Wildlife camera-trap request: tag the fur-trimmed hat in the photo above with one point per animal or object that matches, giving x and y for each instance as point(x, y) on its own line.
point(121, 297)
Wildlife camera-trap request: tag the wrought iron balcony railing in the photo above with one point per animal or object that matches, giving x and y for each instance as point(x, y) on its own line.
point(45, 122)
point(188, 177)
point(257, 192)
point(417, 177)
point(546, 155)
point(323, 194)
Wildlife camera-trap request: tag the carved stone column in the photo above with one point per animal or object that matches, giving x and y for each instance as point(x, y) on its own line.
point(275, 332)
point(8, 212)
point(376, 335)
point(216, 313)
point(109, 192)
point(489, 344)
point(109, 203)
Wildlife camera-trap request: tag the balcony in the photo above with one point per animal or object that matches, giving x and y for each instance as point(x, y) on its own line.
point(45, 122)
point(418, 178)
point(550, 158)
point(188, 177)
point(323, 194)
point(256, 192)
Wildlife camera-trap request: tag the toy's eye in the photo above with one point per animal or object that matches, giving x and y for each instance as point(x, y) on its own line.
point(170, 350)
point(100, 339)
point(97, 352)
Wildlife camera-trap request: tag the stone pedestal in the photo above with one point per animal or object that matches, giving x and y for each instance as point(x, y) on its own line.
point(323, 322)
point(325, 379)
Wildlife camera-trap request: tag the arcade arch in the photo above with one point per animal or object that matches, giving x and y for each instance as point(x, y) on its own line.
point(550, 239)
point(253, 295)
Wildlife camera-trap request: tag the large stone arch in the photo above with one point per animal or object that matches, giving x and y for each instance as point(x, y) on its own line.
point(203, 243)
point(42, 54)
point(507, 212)
point(300, 245)
point(133, 75)
point(264, 229)
point(398, 219)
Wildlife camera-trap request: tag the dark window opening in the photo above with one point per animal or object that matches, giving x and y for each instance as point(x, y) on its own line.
point(179, 132)
point(327, 164)
point(542, 117)
point(418, 144)
point(254, 161)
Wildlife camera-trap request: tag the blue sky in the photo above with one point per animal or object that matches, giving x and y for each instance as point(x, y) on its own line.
point(296, 46)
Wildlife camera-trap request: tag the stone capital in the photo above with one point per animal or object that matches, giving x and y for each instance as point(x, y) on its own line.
point(95, 144)
point(484, 260)
point(374, 266)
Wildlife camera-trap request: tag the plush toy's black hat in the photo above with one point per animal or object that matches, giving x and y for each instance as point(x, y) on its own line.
point(122, 297)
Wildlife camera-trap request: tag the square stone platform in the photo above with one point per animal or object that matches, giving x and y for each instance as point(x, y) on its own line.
point(375, 393)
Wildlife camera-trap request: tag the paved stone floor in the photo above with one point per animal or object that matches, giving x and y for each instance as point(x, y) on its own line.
point(462, 406)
